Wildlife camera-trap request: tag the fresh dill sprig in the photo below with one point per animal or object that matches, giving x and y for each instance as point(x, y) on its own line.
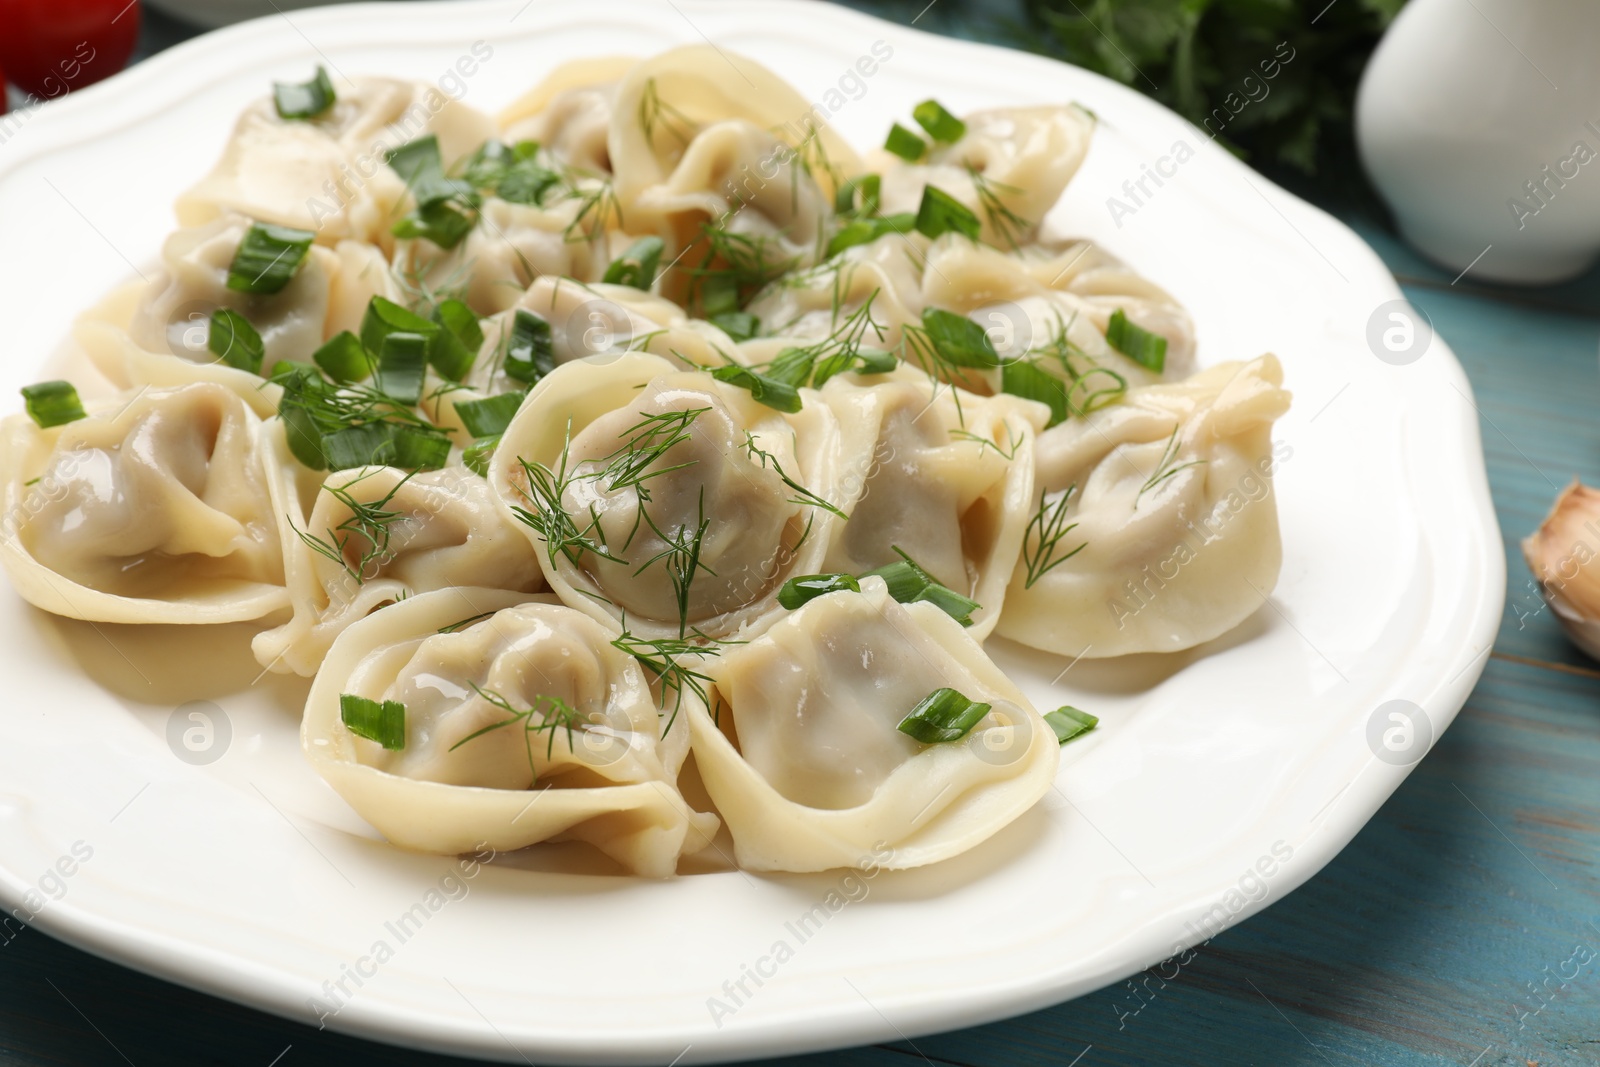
point(462, 624)
point(598, 204)
point(547, 515)
point(842, 350)
point(1013, 441)
point(733, 268)
point(804, 497)
point(664, 659)
point(557, 715)
point(1002, 220)
point(1167, 467)
point(682, 556)
point(648, 441)
point(1042, 539)
point(653, 111)
point(366, 528)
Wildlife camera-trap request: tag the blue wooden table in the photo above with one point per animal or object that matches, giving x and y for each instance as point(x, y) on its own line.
point(1434, 938)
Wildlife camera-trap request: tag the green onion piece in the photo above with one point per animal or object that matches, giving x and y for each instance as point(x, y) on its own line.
point(455, 346)
point(637, 266)
point(909, 583)
point(1022, 377)
point(959, 341)
point(941, 213)
point(1068, 722)
point(530, 352)
point(943, 715)
point(267, 258)
point(301, 383)
point(775, 394)
point(52, 403)
point(444, 222)
point(419, 164)
point(384, 317)
point(905, 144)
point(235, 341)
point(861, 361)
point(1147, 349)
point(490, 417)
point(510, 173)
point(485, 167)
point(719, 295)
point(940, 124)
point(869, 186)
point(477, 456)
point(384, 444)
point(739, 325)
point(865, 231)
point(305, 101)
point(402, 363)
point(384, 723)
point(807, 587)
point(343, 358)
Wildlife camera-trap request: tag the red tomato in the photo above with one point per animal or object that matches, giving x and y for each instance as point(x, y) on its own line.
point(50, 47)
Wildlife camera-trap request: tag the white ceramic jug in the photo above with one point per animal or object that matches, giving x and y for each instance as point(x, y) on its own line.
point(1479, 122)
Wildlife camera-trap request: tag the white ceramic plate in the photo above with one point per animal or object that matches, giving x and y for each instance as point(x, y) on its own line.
point(249, 878)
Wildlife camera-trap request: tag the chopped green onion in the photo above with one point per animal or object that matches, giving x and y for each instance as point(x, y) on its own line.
point(455, 347)
point(384, 317)
point(941, 213)
point(476, 458)
point(300, 382)
point(384, 723)
point(940, 124)
point(530, 351)
point(861, 361)
point(1022, 377)
point(637, 266)
point(235, 341)
point(905, 144)
point(526, 183)
point(959, 341)
point(865, 231)
point(719, 295)
point(943, 715)
point(402, 363)
point(344, 358)
point(869, 186)
point(490, 417)
point(305, 101)
point(807, 587)
point(1068, 722)
point(775, 394)
point(384, 444)
point(1147, 349)
point(739, 325)
point(52, 403)
point(446, 209)
point(511, 173)
point(444, 222)
point(909, 583)
point(267, 258)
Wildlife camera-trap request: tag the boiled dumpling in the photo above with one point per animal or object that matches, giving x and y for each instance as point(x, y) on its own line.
point(329, 174)
point(522, 723)
point(407, 533)
point(1009, 169)
point(569, 112)
point(666, 499)
point(1169, 493)
point(156, 508)
point(880, 281)
point(803, 757)
point(946, 480)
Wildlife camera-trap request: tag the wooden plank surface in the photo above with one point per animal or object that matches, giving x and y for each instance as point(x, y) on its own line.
point(1432, 939)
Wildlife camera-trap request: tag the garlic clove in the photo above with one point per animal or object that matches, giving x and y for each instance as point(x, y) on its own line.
point(1564, 555)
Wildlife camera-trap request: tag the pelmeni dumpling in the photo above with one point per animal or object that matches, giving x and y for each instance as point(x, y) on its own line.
point(665, 498)
point(329, 174)
point(154, 509)
point(1029, 299)
point(946, 480)
point(1171, 499)
point(569, 113)
point(1009, 168)
point(804, 759)
point(523, 723)
point(376, 535)
point(881, 279)
point(663, 101)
